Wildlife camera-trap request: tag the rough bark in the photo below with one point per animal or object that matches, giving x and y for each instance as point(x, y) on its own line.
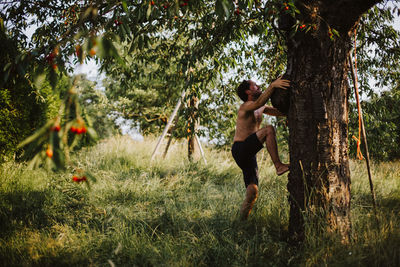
point(318, 120)
point(319, 178)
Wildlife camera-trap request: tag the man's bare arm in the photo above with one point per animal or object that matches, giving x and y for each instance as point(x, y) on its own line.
point(278, 83)
point(273, 111)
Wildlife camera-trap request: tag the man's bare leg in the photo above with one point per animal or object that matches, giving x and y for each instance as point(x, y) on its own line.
point(248, 203)
point(267, 134)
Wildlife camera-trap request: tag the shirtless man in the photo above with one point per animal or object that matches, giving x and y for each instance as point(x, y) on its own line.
point(249, 138)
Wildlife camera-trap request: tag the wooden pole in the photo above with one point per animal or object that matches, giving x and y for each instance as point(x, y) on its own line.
point(364, 136)
point(201, 148)
point(169, 123)
point(170, 137)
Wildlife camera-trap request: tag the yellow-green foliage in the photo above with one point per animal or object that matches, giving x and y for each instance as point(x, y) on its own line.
point(171, 212)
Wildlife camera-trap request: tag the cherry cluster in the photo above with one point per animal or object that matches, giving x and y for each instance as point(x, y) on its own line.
point(118, 22)
point(80, 129)
point(285, 6)
point(78, 179)
point(51, 58)
point(185, 3)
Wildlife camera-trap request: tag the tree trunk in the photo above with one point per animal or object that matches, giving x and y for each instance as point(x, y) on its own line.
point(318, 117)
point(319, 178)
point(192, 125)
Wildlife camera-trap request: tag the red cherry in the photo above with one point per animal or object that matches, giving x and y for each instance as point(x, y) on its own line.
point(56, 128)
point(152, 3)
point(49, 153)
point(73, 129)
point(50, 58)
point(75, 178)
point(78, 50)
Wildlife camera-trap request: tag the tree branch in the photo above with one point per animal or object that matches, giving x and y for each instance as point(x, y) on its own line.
point(344, 14)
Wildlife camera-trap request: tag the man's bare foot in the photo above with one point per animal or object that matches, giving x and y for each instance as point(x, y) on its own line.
point(248, 203)
point(281, 168)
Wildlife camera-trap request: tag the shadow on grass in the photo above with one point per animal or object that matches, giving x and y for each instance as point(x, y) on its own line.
point(220, 239)
point(20, 209)
point(384, 203)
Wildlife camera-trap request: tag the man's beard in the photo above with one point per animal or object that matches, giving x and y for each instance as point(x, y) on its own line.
point(256, 95)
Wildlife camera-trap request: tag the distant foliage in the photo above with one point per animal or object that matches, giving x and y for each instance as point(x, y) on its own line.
point(96, 110)
point(382, 124)
point(378, 62)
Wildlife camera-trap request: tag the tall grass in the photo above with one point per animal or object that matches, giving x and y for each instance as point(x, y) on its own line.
point(173, 213)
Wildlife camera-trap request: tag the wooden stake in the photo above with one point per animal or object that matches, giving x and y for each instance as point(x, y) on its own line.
point(201, 149)
point(170, 137)
point(178, 105)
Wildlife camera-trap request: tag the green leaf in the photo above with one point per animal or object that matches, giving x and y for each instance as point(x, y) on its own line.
point(92, 133)
point(90, 176)
point(53, 77)
point(219, 8)
point(125, 7)
point(335, 32)
point(6, 75)
point(87, 13)
point(37, 134)
point(148, 13)
point(39, 79)
point(7, 66)
point(226, 7)
point(34, 162)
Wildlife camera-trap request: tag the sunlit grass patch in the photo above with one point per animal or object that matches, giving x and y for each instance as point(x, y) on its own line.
point(172, 212)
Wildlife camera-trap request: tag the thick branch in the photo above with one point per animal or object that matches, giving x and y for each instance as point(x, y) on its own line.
point(343, 14)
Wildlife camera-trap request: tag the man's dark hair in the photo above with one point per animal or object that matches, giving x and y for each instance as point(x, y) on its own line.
point(241, 90)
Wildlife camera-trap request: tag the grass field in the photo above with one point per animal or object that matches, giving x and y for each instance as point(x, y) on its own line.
point(172, 213)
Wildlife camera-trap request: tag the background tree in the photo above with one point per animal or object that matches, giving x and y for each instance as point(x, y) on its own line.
point(25, 103)
point(382, 120)
point(96, 110)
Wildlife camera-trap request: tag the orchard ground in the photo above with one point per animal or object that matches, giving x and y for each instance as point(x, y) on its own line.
point(175, 213)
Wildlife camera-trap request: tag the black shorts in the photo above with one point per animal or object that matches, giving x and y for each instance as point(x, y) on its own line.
point(244, 153)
